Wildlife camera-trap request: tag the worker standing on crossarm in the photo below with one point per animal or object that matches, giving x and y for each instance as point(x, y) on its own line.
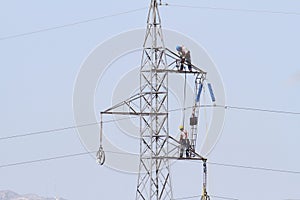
point(184, 142)
point(185, 55)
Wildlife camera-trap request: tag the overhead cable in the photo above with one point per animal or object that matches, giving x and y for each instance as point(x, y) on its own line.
point(262, 110)
point(46, 159)
point(172, 110)
point(59, 129)
point(197, 196)
point(235, 9)
point(255, 168)
point(125, 153)
point(70, 24)
point(140, 9)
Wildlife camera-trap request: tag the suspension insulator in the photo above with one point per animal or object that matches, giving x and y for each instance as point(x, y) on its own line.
point(213, 98)
point(100, 156)
point(199, 92)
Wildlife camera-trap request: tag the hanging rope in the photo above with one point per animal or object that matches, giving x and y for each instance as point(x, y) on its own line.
point(205, 111)
point(184, 100)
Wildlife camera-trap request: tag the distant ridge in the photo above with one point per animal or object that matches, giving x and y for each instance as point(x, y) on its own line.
point(10, 195)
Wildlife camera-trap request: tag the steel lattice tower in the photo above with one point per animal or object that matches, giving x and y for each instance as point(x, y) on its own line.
point(157, 147)
point(154, 173)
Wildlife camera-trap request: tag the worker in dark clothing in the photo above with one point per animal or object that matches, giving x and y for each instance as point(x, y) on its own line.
point(185, 56)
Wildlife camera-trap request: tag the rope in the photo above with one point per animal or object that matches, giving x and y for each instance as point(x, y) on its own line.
point(184, 100)
point(101, 127)
point(205, 111)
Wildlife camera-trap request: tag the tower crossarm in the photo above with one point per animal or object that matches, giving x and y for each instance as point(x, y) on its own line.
point(131, 105)
point(176, 146)
point(175, 57)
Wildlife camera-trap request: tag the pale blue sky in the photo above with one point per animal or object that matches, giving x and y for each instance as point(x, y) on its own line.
point(256, 53)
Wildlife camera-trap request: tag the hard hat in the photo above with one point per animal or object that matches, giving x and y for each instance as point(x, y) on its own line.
point(180, 127)
point(178, 48)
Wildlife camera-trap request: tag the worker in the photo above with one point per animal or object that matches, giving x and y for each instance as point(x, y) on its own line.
point(185, 55)
point(184, 142)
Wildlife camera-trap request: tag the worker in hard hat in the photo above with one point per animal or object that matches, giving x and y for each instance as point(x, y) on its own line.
point(184, 142)
point(185, 56)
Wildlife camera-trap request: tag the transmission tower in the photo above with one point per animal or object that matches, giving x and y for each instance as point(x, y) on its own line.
point(154, 173)
point(157, 147)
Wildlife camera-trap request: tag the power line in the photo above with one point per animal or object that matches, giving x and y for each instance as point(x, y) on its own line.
point(255, 168)
point(86, 153)
point(190, 197)
point(59, 129)
point(46, 131)
point(59, 157)
point(125, 153)
point(235, 9)
point(172, 110)
point(46, 159)
point(140, 9)
point(70, 24)
point(196, 196)
point(262, 110)
point(242, 108)
point(181, 198)
point(230, 165)
point(221, 197)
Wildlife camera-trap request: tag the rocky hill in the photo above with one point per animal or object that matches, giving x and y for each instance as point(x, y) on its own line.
point(9, 195)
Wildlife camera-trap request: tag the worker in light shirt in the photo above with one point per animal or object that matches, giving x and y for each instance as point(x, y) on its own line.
point(184, 142)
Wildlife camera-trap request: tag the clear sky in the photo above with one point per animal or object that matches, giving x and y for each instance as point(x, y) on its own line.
point(257, 55)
